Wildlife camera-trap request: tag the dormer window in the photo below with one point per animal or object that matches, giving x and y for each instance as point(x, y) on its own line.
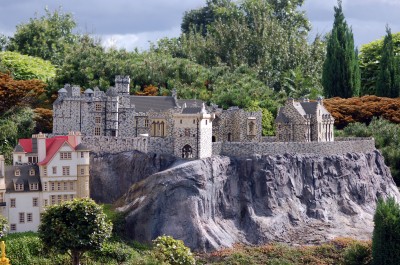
point(65, 155)
point(34, 186)
point(19, 187)
point(31, 172)
point(17, 173)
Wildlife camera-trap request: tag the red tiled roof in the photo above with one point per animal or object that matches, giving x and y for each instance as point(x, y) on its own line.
point(52, 146)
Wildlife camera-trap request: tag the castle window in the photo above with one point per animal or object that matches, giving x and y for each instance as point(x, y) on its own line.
point(82, 154)
point(187, 132)
point(19, 187)
point(181, 122)
point(65, 171)
point(65, 155)
point(20, 159)
point(97, 131)
point(13, 203)
point(44, 171)
point(52, 185)
point(65, 184)
point(58, 186)
point(32, 159)
point(13, 227)
point(17, 172)
point(22, 218)
point(53, 199)
point(206, 122)
point(194, 121)
point(97, 107)
point(71, 185)
point(97, 120)
point(113, 133)
point(146, 123)
point(46, 202)
point(31, 172)
point(45, 186)
point(82, 171)
point(59, 199)
point(54, 170)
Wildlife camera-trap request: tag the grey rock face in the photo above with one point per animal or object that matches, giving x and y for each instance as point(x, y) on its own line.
point(111, 175)
point(218, 201)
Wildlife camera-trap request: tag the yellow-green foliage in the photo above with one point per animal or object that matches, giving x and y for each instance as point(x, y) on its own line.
point(24, 67)
point(174, 252)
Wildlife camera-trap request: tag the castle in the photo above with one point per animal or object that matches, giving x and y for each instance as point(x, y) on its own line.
point(115, 121)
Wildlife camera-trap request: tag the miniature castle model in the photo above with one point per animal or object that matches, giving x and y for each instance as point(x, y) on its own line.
point(114, 121)
point(185, 128)
point(45, 171)
point(304, 121)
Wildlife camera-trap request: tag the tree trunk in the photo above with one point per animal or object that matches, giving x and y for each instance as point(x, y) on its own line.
point(75, 257)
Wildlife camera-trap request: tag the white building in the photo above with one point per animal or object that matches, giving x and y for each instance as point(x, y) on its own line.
point(46, 171)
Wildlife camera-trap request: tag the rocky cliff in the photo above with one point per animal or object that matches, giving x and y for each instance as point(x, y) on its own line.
point(218, 201)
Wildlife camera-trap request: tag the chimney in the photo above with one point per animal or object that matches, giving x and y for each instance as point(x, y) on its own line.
point(41, 146)
point(78, 138)
point(320, 100)
point(72, 139)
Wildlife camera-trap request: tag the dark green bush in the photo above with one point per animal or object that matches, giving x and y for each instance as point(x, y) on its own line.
point(386, 235)
point(358, 253)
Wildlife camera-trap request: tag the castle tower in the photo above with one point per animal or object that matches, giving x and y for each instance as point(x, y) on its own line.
point(122, 84)
point(193, 133)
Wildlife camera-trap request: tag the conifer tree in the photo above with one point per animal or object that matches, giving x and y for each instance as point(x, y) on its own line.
point(341, 74)
point(388, 81)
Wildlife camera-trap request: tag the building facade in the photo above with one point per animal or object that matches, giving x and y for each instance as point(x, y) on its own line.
point(45, 171)
point(304, 121)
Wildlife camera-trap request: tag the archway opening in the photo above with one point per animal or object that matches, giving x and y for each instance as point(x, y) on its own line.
point(187, 151)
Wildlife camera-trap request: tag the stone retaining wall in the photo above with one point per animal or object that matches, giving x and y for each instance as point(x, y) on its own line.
point(363, 145)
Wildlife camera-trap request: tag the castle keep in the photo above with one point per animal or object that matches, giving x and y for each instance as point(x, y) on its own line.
point(115, 121)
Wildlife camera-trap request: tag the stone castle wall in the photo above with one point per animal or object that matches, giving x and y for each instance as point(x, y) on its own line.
point(340, 146)
point(110, 144)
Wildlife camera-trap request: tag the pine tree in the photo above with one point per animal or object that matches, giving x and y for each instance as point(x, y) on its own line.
point(386, 235)
point(388, 81)
point(341, 73)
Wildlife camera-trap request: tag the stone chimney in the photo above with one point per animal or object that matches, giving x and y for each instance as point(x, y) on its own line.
point(41, 146)
point(72, 139)
point(78, 138)
point(320, 100)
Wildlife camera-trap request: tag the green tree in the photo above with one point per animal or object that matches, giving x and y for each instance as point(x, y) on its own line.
point(370, 55)
point(3, 226)
point(388, 81)
point(74, 227)
point(341, 76)
point(46, 37)
point(386, 235)
point(172, 251)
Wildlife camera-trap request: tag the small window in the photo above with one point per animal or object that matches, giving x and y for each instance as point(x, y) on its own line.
point(45, 186)
point(46, 202)
point(53, 199)
point(71, 185)
point(146, 123)
point(65, 197)
point(53, 186)
point(82, 154)
point(206, 122)
point(97, 107)
point(97, 120)
point(65, 171)
point(21, 218)
point(29, 217)
point(59, 199)
point(187, 132)
point(82, 171)
point(19, 187)
point(97, 131)
point(33, 186)
point(44, 171)
point(19, 158)
point(71, 197)
point(65, 184)
point(13, 227)
point(35, 202)
point(54, 170)
point(12, 203)
point(58, 186)
point(194, 121)
point(181, 121)
point(31, 172)
point(87, 186)
point(17, 173)
point(65, 155)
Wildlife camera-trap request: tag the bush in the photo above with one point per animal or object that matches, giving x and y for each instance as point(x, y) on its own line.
point(168, 249)
point(23, 248)
point(113, 251)
point(358, 253)
point(386, 235)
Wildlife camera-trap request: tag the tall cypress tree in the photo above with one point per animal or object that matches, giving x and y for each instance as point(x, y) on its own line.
point(341, 73)
point(388, 81)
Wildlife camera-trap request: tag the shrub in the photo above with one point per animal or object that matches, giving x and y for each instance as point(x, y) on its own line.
point(23, 248)
point(386, 235)
point(168, 249)
point(358, 253)
point(113, 251)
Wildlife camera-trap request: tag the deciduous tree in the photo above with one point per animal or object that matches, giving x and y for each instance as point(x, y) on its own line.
point(74, 227)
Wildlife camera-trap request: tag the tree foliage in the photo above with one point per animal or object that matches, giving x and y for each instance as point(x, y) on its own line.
point(19, 92)
point(370, 55)
point(388, 79)
point(46, 37)
point(386, 235)
point(74, 227)
point(341, 73)
point(24, 67)
point(173, 251)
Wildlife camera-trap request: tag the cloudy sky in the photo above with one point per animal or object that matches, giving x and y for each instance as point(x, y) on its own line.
point(133, 23)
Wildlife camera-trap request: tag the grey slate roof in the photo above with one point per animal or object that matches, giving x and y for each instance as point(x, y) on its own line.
point(190, 102)
point(191, 110)
point(156, 103)
point(19, 148)
point(281, 118)
point(81, 147)
point(24, 178)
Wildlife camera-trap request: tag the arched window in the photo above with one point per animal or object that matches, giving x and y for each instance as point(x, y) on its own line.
point(187, 151)
point(229, 137)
